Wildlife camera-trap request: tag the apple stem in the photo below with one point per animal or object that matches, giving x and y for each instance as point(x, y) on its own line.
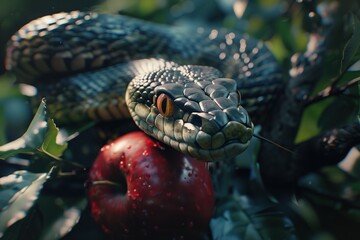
point(105, 182)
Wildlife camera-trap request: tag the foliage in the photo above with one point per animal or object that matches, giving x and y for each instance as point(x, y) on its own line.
point(40, 137)
point(18, 191)
point(41, 188)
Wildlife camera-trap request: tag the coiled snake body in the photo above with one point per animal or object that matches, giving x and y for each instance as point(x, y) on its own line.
point(106, 67)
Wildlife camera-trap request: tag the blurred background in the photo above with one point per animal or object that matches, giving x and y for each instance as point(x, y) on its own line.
point(284, 25)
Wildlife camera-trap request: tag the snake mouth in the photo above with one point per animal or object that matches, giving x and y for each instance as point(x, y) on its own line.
point(230, 150)
point(228, 142)
point(207, 143)
point(231, 140)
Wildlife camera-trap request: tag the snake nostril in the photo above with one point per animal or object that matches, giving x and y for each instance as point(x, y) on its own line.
point(195, 120)
point(205, 122)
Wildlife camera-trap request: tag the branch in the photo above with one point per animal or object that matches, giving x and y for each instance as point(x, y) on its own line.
point(326, 149)
point(331, 91)
point(329, 148)
point(276, 165)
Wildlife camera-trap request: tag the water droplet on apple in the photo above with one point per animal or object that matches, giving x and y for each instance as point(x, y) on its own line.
point(134, 194)
point(129, 147)
point(145, 153)
point(122, 164)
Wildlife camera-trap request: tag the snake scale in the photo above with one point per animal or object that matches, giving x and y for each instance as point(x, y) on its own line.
point(179, 84)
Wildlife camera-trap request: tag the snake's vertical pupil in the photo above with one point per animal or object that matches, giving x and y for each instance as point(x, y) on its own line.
point(165, 105)
point(239, 96)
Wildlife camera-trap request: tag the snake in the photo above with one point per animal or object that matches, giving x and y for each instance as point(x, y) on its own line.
point(192, 88)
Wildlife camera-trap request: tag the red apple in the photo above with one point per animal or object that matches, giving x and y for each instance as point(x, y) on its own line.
point(142, 189)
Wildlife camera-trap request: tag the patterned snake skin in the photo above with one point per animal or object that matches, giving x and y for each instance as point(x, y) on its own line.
point(92, 66)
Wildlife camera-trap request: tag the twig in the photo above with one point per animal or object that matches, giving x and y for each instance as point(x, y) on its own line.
point(277, 167)
point(330, 91)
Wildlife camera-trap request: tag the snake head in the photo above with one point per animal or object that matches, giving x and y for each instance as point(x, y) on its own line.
point(201, 118)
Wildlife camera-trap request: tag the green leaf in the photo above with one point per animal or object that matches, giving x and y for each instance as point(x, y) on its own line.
point(31, 139)
point(331, 187)
point(233, 223)
point(340, 112)
point(332, 194)
point(242, 218)
point(39, 137)
point(309, 126)
point(60, 216)
point(28, 228)
point(50, 146)
point(352, 44)
point(19, 191)
point(355, 67)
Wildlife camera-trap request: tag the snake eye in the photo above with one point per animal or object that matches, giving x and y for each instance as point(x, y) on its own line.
point(239, 96)
point(165, 105)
